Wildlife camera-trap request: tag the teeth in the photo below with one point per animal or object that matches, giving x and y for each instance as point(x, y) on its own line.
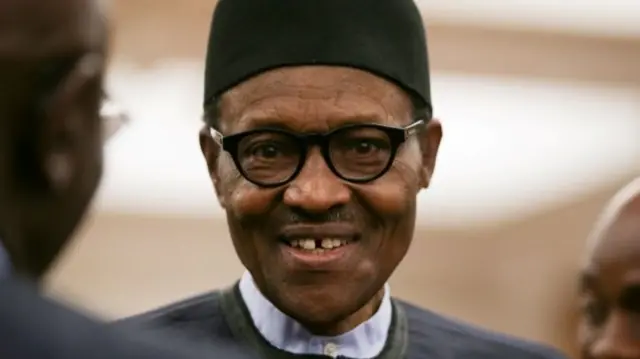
point(327, 243)
point(317, 246)
point(308, 244)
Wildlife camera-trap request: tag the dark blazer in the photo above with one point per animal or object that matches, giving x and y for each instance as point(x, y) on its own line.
point(34, 327)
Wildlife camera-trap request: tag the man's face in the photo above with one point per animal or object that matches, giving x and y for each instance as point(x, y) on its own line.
point(52, 55)
point(610, 291)
point(371, 225)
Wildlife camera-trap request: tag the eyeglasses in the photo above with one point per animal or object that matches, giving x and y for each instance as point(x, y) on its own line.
point(354, 153)
point(113, 117)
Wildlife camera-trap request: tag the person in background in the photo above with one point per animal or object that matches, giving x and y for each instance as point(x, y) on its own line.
point(52, 63)
point(319, 135)
point(610, 281)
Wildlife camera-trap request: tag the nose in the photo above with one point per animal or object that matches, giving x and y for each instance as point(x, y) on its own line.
point(316, 189)
point(619, 339)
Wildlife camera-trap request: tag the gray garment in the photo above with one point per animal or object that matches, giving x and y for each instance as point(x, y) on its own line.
point(415, 333)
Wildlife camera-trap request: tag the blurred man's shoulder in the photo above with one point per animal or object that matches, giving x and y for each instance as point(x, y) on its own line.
point(193, 314)
point(34, 326)
point(430, 331)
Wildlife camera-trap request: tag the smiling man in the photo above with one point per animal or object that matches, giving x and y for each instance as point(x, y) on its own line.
point(610, 281)
point(319, 135)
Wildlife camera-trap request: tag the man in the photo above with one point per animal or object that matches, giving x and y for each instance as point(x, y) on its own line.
point(319, 135)
point(52, 62)
point(610, 281)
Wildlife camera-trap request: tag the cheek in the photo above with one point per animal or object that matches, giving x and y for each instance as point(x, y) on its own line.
point(246, 206)
point(392, 195)
point(242, 198)
point(246, 200)
point(387, 199)
point(586, 336)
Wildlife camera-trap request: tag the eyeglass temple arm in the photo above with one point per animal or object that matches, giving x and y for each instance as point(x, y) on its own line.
point(413, 128)
point(217, 136)
point(114, 116)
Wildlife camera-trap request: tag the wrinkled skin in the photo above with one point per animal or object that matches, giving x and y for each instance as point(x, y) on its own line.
point(318, 99)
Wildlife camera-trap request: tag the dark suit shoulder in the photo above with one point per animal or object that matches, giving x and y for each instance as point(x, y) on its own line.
point(457, 339)
point(200, 315)
point(32, 326)
point(186, 310)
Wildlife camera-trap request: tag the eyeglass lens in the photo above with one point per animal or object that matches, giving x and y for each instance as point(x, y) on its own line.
point(357, 153)
point(269, 157)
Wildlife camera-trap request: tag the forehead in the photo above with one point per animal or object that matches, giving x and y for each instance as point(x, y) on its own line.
point(31, 29)
point(314, 96)
point(617, 252)
point(620, 240)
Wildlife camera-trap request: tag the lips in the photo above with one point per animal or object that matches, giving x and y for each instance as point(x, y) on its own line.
point(311, 244)
point(322, 240)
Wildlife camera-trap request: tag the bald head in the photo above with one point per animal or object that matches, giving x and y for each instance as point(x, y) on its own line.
point(610, 281)
point(52, 63)
point(616, 222)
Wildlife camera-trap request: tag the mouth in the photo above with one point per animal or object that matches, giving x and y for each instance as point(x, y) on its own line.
point(316, 245)
point(319, 245)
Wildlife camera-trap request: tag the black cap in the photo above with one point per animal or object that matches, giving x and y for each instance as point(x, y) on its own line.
point(384, 37)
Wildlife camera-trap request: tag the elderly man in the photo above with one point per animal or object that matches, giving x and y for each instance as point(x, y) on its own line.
point(319, 135)
point(610, 281)
point(52, 58)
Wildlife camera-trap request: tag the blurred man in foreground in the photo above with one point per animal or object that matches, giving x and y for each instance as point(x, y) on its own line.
point(52, 62)
point(319, 136)
point(610, 281)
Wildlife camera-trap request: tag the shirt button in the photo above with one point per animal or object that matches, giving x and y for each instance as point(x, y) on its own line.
point(331, 350)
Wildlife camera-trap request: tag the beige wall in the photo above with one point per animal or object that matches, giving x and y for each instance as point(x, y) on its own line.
point(152, 30)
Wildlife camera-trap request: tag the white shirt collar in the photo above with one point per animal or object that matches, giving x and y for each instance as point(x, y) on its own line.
point(365, 341)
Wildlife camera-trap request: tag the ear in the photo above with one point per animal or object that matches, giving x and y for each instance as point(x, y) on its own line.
point(429, 138)
point(70, 118)
point(211, 151)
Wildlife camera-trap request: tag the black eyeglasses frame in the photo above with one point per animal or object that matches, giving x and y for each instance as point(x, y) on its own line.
point(397, 136)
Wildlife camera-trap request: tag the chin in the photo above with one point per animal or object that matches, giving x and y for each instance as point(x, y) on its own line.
point(319, 309)
point(320, 319)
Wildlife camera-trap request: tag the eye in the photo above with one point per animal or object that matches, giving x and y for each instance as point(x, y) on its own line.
point(363, 147)
point(266, 150)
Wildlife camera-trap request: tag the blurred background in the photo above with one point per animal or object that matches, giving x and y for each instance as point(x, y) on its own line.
point(540, 104)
